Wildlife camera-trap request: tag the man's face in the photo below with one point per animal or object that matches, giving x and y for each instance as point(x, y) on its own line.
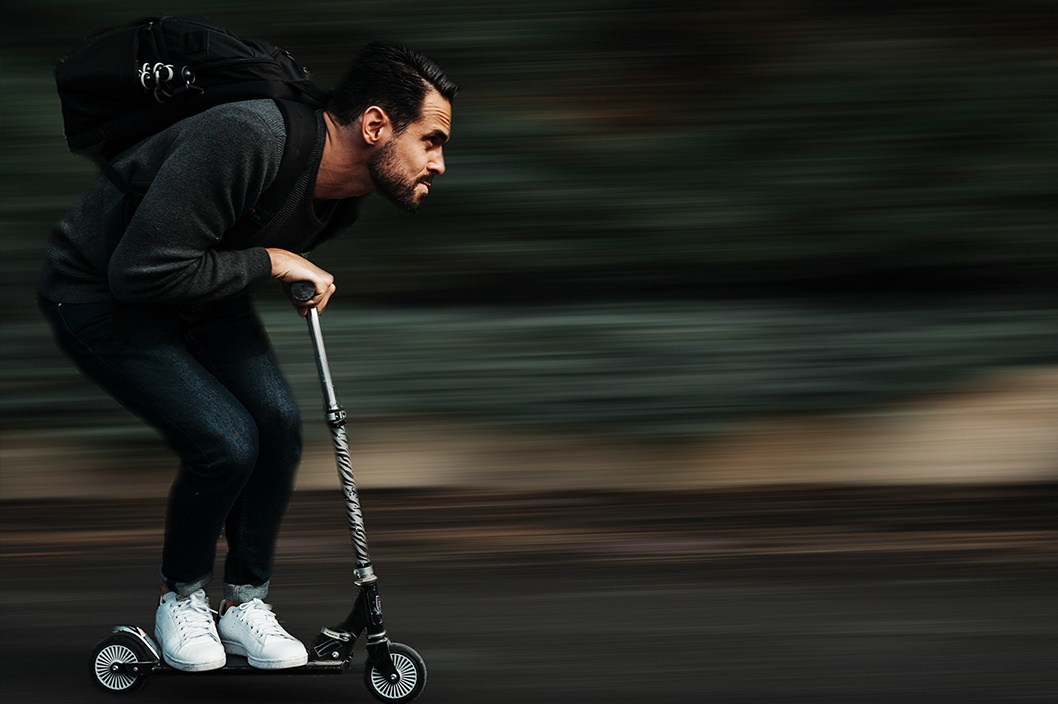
point(403, 167)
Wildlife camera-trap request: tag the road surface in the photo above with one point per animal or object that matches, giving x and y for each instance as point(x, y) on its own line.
point(824, 595)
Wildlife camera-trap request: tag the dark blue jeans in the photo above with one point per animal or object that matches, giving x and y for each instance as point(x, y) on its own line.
point(207, 378)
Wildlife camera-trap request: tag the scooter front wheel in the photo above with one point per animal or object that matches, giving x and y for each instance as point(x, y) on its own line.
point(110, 660)
point(410, 680)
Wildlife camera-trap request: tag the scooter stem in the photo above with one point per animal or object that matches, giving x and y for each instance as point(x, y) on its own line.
point(336, 422)
point(329, 397)
point(367, 610)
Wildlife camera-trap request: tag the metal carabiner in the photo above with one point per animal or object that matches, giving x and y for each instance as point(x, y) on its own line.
point(189, 78)
point(168, 68)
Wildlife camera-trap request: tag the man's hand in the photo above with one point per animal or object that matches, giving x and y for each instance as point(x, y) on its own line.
point(289, 267)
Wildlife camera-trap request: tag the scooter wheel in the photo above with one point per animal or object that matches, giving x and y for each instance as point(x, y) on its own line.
point(109, 655)
point(411, 676)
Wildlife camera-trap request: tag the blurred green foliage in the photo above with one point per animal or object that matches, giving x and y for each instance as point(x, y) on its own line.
point(653, 160)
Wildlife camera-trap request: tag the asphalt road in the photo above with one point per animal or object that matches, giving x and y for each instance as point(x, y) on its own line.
point(810, 595)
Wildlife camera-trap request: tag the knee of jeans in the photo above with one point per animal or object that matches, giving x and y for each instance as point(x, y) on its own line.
point(228, 453)
point(281, 429)
point(242, 451)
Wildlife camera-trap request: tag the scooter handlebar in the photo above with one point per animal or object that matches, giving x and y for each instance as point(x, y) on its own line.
point(302, 291)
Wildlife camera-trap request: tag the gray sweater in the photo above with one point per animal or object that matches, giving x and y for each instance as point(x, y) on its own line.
point(198, 178)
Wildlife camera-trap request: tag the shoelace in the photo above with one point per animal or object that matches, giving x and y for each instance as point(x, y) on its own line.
point(259, 617)
point(193, 616)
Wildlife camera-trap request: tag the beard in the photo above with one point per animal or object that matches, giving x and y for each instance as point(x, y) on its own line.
point(391, 182)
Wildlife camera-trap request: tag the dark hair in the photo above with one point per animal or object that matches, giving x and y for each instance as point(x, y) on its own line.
point(393, 77)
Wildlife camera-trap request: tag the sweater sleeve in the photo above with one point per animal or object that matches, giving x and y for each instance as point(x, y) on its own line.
point(215, 170)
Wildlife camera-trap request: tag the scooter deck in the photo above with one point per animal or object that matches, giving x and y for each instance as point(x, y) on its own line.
point(237, 665)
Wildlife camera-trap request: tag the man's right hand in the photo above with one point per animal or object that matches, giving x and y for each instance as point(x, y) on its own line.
point(288, 267)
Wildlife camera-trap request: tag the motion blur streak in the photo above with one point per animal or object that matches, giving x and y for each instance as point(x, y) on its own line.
point(720, 365)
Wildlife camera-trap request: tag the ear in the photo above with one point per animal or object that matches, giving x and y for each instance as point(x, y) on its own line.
point(374, 125)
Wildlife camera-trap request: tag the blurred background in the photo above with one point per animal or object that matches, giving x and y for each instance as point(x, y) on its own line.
point(726, 351)
point(678, 244)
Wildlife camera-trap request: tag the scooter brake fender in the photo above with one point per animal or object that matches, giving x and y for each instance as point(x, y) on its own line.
point(141, 635)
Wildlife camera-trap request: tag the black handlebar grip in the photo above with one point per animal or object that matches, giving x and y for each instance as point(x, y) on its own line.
point(302, 291)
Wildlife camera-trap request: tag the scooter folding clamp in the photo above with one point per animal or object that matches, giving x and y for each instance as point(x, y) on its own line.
point(332, 644)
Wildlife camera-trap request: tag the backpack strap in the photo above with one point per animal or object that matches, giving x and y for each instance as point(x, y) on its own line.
point(300, 121)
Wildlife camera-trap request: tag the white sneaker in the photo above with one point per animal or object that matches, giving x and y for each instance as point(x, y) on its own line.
point(186, 631)
point(251, 629)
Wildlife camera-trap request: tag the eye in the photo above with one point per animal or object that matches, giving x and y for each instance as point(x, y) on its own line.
point(435, 140)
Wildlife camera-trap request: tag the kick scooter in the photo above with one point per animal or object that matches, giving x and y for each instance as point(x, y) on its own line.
point(393, 672)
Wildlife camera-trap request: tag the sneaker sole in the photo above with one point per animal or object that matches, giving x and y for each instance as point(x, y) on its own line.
point(194, 666)
point(233, 648)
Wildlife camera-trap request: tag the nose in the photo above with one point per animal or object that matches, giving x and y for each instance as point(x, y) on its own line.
point(436, 165)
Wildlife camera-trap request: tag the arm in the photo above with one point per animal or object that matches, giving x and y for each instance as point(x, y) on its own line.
point(215, 168)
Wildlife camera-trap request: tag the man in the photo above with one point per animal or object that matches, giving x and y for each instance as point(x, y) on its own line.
point(155, 309)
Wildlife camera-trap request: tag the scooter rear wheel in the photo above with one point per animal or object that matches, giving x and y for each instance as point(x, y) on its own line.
point(411, 669)
point(107, 658)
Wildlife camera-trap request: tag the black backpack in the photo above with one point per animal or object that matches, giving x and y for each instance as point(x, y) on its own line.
point(125, 84)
